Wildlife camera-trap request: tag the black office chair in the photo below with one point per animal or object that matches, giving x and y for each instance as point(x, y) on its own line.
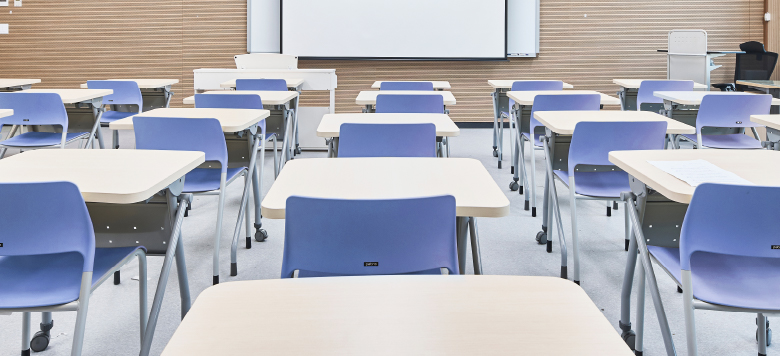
point(755, 64)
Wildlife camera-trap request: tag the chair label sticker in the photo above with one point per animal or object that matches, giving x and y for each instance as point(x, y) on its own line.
point(365, 264)
point(774, 247)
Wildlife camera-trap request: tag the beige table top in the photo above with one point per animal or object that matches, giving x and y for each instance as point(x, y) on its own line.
point(695, 97)
point(761, 167)
point(12, 82)
point(6, 112)
point(768, 84)
point(527, 97)
point(232, 120)
point(146, 83)
point(772, 121)
point(476, 193)
point(268, 97)
point(397, 315)
point(72, 96)
point(103, 176)
point(635, 83)
point(563, 122)
point(331, 123)
point(437, 84)
point(369, 97)
point(507, 84)
point(291, 82)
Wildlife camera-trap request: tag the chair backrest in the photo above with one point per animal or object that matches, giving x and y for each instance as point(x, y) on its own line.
point(126, 92)
point(182, 134)
point(755, 64)
point(406, 86)
point(731, 219)
point(403, 103)
point(592, 141)
point(228, 101)
point(369, 237)
point(266, 61)
point(648, 87)
point(387, 140)
point(261, 84)
point(562, 102)
point(537, 85)
point(66, 225)
point(732, 110)
point(34, 109)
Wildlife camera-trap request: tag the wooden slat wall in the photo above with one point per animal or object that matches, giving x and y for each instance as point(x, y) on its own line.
point(772, 31)
point(66, 43)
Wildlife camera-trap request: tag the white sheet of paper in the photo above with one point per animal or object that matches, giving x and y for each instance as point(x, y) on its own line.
point(699, 171)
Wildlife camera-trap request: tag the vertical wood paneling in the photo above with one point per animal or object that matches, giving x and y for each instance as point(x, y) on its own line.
point(772, 28)
point(66, 43)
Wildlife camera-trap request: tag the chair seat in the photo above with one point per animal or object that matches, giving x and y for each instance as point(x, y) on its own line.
point(727, 141)
point(207, 179)
point(597, 184)
point(111, 116)
point(736, 281)
point(41, 139)
point(54, 279)
point(537, 142)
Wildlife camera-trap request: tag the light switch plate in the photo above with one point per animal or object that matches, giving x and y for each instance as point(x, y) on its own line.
point(3, 28)
point(18, 3)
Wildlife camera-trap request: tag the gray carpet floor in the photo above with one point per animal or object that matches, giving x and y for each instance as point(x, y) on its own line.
point(508, 248)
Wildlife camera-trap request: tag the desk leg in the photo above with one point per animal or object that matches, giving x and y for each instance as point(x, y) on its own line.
point(461, 228)
point(475, 252)
point(494, 95)
point(638, 240)
point(555, 210)
point(168, 96)
point(244, 199)
point(296, 146)
point(173, 248)
point(257, 189)
point(97, 110)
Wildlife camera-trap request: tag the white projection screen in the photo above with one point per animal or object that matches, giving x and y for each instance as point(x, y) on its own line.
point(394, 29)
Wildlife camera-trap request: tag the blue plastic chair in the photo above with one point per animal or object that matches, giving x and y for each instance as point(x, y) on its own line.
point(126, 92)
point(414, 104)
point(205, 135)
point(725, 260)
point(387, 140)
point(240, 101)
point(426, 86)
point(261, 84)
point(556, 102)
point(648, 87)
point(590, 147)
point(48, 261)
point(335, 237)
point(730, 111)
point(33, 109)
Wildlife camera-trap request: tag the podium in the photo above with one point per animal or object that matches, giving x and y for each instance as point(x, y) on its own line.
point(687, 57)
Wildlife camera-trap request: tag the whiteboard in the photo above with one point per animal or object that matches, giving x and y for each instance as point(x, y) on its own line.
point(394, 29)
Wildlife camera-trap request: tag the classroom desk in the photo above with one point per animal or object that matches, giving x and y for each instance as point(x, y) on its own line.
point(772, 124)
point(771, 87)
point(559, 128)
point(156, 93)
point(368, 98)
point(84, 107)
point(7, 84)
point(437, 84)
point(6, 112)
point(501, 104)
point(331, 125)
point(397, 315)
point(292, 83)
point(630, 87)
point(662, 200)
point(684, 106)
point(233, 121)
point(475, 191)
point(283, 120)
point(121, 190)
point(520, 121)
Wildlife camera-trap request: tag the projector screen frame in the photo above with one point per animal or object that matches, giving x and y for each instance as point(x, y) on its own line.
point(504, 58)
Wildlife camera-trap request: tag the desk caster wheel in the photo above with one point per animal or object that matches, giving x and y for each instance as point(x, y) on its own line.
point(614, 205)
point(495, 153)
point(261, 235)
point(297, 150)
point(768, 334)
point(541, 237)
point(514, 186)
point(629, 337)
point(187, 210)
point(40, 341)
point(499, 164)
